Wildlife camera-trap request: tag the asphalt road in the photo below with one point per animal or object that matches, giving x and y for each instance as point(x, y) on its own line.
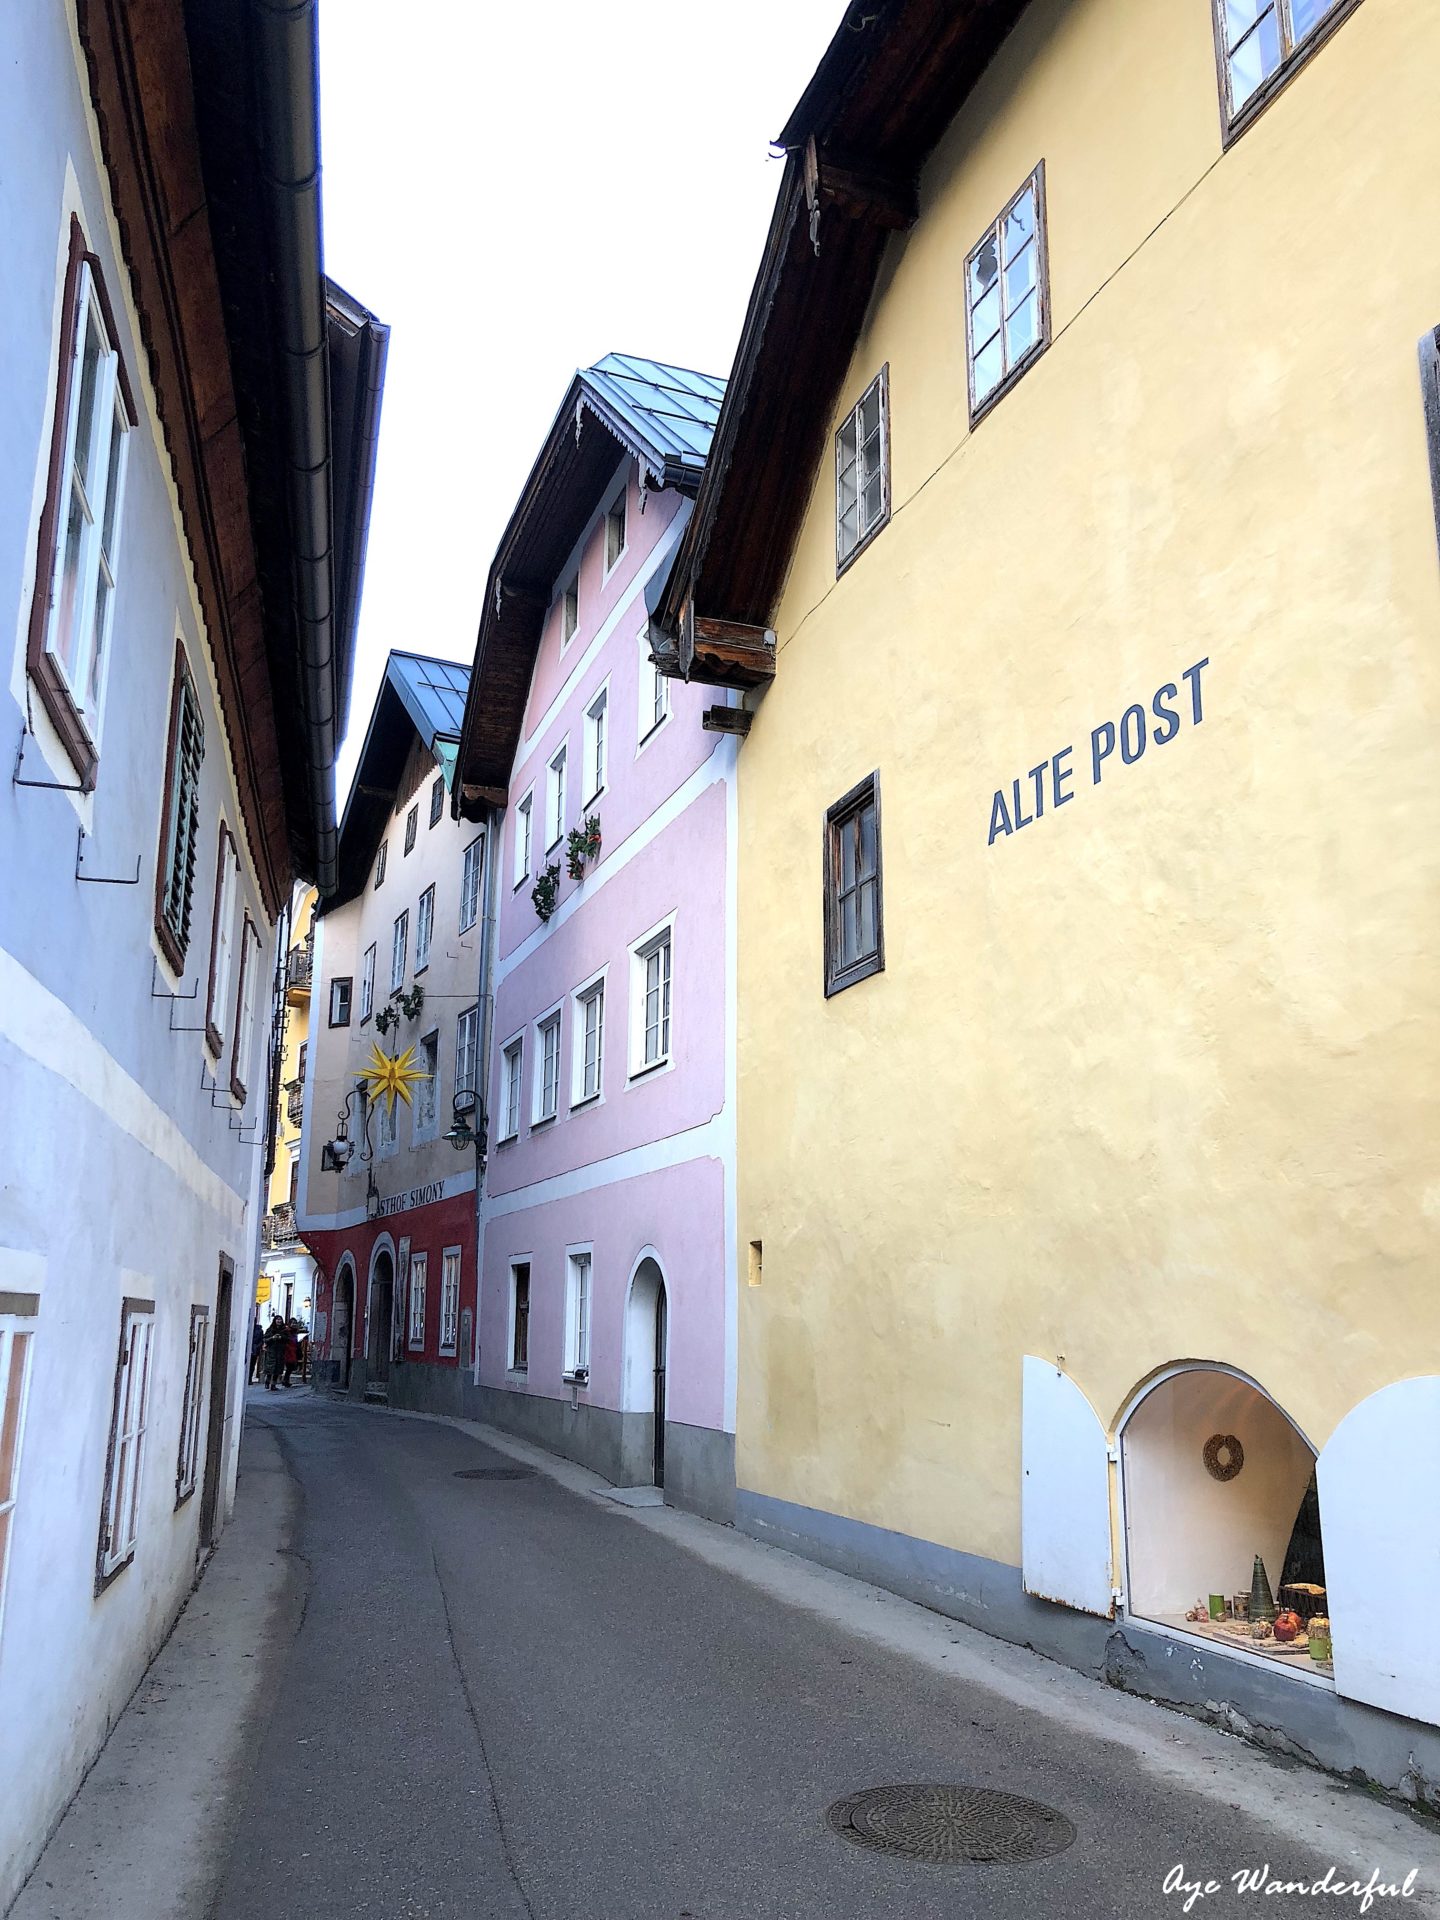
point(509, 1698)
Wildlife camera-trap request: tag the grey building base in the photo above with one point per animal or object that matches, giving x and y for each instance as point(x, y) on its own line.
point(1281, 1711)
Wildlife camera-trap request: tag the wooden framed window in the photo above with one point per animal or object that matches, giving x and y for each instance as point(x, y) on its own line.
point(650, 1001)
point(245, 1008)
point(222, 940)
point(419, 1270)
point(467, 1057)
point(512, 1064)
point(399, 942)
point(615, 534)
point(555, 801)
point(125, 1459)
point(1007, 298)
point(470, 883)
point(67, 649)
point(862, 472)
point(449, 1298)
point(524, 835)
point(188, 1462)
point(412, 827)
point(437, 799)
point(1259, 44)
point(180, 819)
point(367, 985)
point(595, 716)
point(424, 928)
point(380, 863)
point(547, 1075)
point(588, 1044)
point(16, 1338)
point(577, 1313)
point(340, 991)
point(519, 1316)
point(854, 920)
point(570, 612)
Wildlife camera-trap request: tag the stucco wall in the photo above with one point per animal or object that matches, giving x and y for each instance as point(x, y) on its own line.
point(1154, 1077)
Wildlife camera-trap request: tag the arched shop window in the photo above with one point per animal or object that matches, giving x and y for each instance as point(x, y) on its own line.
point(1222, 1519)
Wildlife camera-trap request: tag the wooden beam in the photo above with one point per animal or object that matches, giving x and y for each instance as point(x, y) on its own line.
point(724, 653)
point(726, 720)
point(857, 192)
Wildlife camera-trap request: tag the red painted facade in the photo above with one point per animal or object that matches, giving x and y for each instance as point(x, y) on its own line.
point(430, 1230)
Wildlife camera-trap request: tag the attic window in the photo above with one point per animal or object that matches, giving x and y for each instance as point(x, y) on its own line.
point(862, 471)
point(570, 612)
point(1007, 298)
point(615, 533)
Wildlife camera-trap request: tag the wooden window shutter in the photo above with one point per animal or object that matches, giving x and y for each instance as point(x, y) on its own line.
point(175, 880)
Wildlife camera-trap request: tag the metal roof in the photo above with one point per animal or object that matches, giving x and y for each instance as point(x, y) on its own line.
point(663, 413)
point(432, 691)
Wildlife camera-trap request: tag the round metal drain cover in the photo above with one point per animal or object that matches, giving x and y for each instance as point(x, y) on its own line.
point(495, 1473)
point(948, 1825)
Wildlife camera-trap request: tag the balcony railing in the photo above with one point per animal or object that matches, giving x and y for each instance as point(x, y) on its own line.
point(278, 1228)
point(294, 1100)
point(299, 963)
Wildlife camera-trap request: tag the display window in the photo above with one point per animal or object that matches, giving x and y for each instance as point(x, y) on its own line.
point(1222, 1519)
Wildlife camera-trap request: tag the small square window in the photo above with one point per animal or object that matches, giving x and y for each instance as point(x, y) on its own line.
point(615, 534)
point(437, 799)
point(1007, 298)
point(412, 827)
point(862, 471)
point(340, 1000)
point(854, 924)
point(570, 612)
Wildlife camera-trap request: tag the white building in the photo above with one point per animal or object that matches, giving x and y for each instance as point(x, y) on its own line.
point(181, 542)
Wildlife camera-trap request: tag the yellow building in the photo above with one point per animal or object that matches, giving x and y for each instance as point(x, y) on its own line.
point(287, 1269)
point(1072, 493)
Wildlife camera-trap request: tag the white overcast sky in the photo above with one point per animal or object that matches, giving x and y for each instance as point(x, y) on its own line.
point(516, 190)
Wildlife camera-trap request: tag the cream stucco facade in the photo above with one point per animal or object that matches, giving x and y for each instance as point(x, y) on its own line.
point(1152, 1079)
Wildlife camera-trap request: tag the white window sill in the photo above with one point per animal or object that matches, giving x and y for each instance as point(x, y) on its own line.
point(651, 1067)
point(577, 1378)
point(514, 1375)
point(593, 798)
point(544, 1120)
point(554, 846)
point(586, 1100)
point(646, 738)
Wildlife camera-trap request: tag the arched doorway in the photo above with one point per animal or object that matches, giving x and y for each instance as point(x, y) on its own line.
point(1215, 1476)
point(647, 1345)
point(342, 1322)
point(378, 1319)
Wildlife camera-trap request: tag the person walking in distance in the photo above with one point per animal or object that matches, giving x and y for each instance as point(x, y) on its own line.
point(257, 1348)
point(274, 1352)
point(292, 1350)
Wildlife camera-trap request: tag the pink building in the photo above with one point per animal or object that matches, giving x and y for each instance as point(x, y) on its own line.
point(607, 1258)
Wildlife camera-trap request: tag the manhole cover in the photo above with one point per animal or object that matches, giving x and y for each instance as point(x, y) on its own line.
point(946, 1825)
point(494, 1473)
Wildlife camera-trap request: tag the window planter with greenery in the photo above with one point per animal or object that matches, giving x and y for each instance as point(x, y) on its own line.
point(405, 1003)
point(546, 891)
point(583, 845)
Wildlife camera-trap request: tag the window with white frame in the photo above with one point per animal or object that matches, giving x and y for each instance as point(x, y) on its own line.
point(524, 825)
point(615, 533)
point(1260, 42)
point(437, 799)
point(547, 1067)
point(570, 612)
point(595, 715)
point(419, 1263)
point(340, 1000)
point(222, 942)
point(424, 928)
point(380, 863)
point(367, 985)
point(427, 1104)
point(862, 471)
point(512, 1062)
point(519, 1315)
point(470, 883)
point(650, 1019)
point(467, 1051)
point(449, 1298)
point(399, 941)
point(125, 1461)
point(187, 1464)
point(577, 1312)
point(555, 800)
point(654, 689)
point(75, 588)
point(588, 1043)
point(1007, 300)
point(16, 1338)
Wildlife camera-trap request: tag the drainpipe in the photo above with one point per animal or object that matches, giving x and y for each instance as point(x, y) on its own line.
point(287, 126)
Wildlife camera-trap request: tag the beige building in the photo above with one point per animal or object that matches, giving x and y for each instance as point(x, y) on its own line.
point(1073, 493)
point(287, 1271)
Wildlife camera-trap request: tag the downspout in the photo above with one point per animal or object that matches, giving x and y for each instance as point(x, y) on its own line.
point(288, 133)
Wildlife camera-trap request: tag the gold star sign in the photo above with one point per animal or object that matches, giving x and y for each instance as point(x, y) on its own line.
point(388, 1078)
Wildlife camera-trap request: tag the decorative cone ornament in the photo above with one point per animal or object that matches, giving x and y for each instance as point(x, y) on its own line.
point(1262, 1601)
